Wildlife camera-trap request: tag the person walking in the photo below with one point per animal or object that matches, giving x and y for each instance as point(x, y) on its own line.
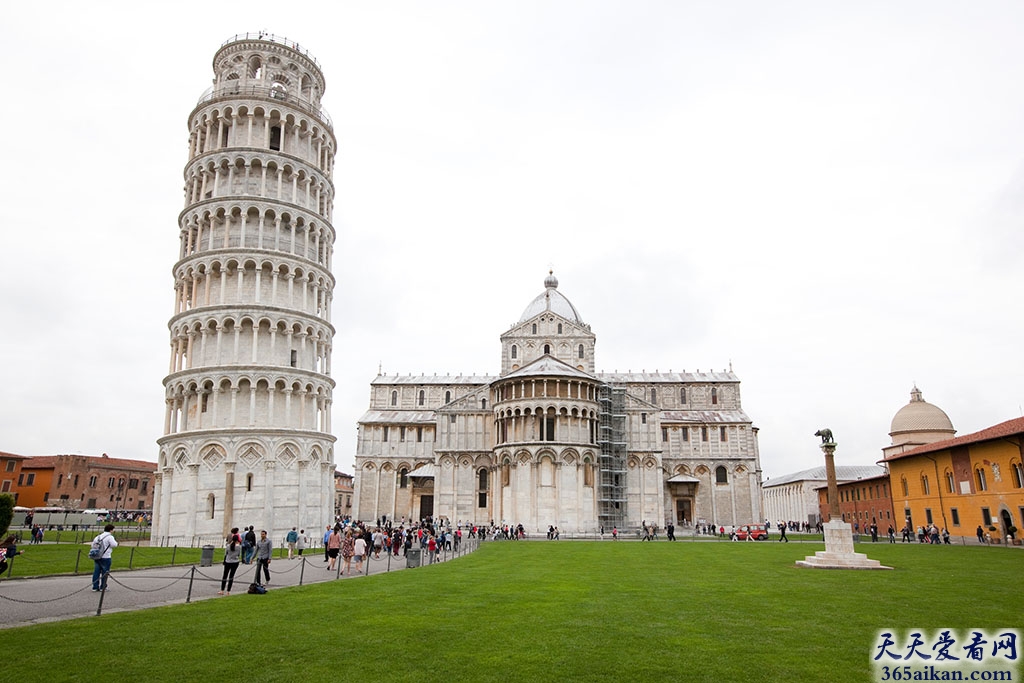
point(302, 542)
point(348, 549)
point(360, 551)
point(333, 546)
point(327, 536)
point(670, 531)
point(249, 545)
point(782, 532)
point(232, 556)
point(291, 539)
point(101, 565)
point(264, 551)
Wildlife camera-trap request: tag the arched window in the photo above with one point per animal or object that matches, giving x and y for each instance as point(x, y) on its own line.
point(547, 349)
point(483, 403)
point(447, 397)
point(211, 504)
point(979, 474)
point(581, 351)
point(481, 487)
point(949, 482)
point(903, 485)
point(515, 351)
point(654, 395)
point(925, 487)
point(721, 475)
point(682, 395)
point(535, 328)
point(1018, 475)
point(559, 328)
point(394, 398)
point(714, 396)
point(422, 397)
point(275, 138)
point(403, 478)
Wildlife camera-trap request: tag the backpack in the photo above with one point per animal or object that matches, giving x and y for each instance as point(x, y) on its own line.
point(256, 589)
point(98, 547)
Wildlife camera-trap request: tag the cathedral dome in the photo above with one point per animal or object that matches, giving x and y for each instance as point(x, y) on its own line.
point(551, 300)
point(919, 416)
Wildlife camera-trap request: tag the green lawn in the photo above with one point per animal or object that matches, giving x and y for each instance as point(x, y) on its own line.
point(558, 611)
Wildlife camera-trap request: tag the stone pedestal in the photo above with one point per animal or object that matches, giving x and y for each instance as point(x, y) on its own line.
point(838, 552)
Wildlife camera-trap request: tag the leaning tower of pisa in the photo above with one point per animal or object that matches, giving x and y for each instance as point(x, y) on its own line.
point(247, 430)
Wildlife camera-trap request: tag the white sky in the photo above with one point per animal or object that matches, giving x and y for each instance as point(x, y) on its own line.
point(827, 194)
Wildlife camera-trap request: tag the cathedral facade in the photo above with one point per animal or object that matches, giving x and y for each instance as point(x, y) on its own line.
point(549, 441)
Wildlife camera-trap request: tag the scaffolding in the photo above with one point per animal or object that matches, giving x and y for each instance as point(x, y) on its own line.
point(611, 506)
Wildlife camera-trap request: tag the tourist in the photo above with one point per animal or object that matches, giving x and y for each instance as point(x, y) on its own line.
point(327, 535)
point(981, 534)
point(249, 545)
point(101, 565)
point(359, 549)
point(945, 536)
point(333, 546)
point(670, 531)
point(232, 555)
point(8, 551)
point(302, 542)
point(348, 549)
point(782, 532)
point(892, 534)
point(264, 552)
point(291, 539)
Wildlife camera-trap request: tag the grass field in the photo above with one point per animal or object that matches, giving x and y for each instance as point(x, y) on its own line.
point(553, 611)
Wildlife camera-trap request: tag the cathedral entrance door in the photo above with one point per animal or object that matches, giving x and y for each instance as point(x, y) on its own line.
point(684, 511)
point(426, 506)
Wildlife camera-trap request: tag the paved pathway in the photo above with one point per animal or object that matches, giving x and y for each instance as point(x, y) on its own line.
point(53, 598)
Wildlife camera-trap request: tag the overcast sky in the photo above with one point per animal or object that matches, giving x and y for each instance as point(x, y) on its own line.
point(828, 195)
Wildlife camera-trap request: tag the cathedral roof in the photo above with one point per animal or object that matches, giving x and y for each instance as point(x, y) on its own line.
point(669, 377)
point(552, 300)
point(398, 417)
point(704, 416)
point(548, 366)
point(844, 473)
point(920, 416)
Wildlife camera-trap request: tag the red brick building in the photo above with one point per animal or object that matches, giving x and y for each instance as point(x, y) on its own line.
point(10, 470)
point(862, 502)
point(83, 482)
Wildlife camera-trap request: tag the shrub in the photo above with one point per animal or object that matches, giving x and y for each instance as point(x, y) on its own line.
point(6, 512)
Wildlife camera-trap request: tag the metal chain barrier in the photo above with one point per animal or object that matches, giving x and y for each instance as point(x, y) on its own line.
point(39, 602)
point(153, 590)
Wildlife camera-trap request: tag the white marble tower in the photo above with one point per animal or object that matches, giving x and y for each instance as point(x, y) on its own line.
point(247, 427)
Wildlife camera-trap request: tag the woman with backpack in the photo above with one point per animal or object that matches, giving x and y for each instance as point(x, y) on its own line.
point(102, 548)
point(232, 556)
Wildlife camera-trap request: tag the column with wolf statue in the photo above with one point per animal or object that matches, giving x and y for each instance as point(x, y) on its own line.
point(838, 553)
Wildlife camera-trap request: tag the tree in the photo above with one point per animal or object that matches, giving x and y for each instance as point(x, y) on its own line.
point(6, 512)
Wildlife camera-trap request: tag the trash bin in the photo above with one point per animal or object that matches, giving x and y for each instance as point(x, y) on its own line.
point(412, 558)
point(206, 559)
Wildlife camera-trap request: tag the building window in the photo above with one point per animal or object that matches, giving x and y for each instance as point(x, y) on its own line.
point(422, 397)
point(903, 483)
point(664, 434)
point(980, 476)
point(133, 483)
point(928, 515)
point(248, 482)
point(643, 418)
point(419, 433)
point(682, 395)
point(714, 396)
point(401, 433)
point(394, 398)
point(1018, 475)
point(21, 480)
point(385, 433)
point(403, 478)
point(145, 486)
point(926, 489)
point(986, 517)
point(559, 328)
point(950, 488)
point(211, 504)
point(11, 464)
point(451, 419)
point(60, 479)
point(686, 433)
point(92, 481)
point(654, 395)
point(535, 328)
point(549, 429)
point(515, 352)
point(203, 401)
point(955, 514)
point(721, 475)
point(447, 397)
point(31, 479)
point(703, 433)
point(275, 138)
point(581, 352)
point(723, 435)
point(547, 349)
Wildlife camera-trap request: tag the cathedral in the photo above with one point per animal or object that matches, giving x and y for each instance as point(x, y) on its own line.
point(549, 441)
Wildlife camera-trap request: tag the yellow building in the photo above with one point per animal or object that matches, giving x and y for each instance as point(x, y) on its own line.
point(963, 483)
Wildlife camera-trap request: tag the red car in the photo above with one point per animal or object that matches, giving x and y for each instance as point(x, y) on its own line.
point(756, 531)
